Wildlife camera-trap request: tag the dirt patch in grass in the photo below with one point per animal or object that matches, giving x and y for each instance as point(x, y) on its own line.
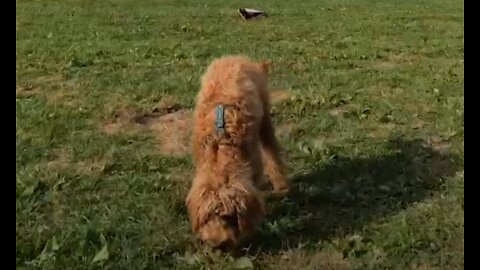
point(438, 144)
point(379, 90)
point(123, 123)
point(20, 24)
point(417, 123)
point(277, 96)
point(284, 131)
point(91, 166)
point(381, 131)
point(384, 65)
point(64, 161)
point(339, 111)
point(171, 124)
point(26, 90)
point(66, 93)
point(396, 60)
point(54, 88)
point(406, 58)
point(172, 131)
point(168, 102)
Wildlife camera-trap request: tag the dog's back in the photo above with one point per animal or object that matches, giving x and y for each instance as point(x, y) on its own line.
point(235, 80)
point(239, 85)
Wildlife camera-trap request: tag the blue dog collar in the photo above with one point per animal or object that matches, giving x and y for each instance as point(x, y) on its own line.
point(220, 119)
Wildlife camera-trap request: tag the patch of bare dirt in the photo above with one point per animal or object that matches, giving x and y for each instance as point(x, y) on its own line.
point(284, 131)
point(124, 122)
point(92, 166)
point(64, 161)
point(384, 65)
point(66, 93)
point(460, 176)
point(173, 132)
point(416, 109)
point(323, 140)
point(380, 90)
point(395, 60)
point(417, 124)
point(48, 79)
point(382, 131)
point(277, 96)
point(55, 88)
point(339, 111)
point(171, 126)
point(438, 144)
point(406, 58)
point(168, 102)
point(20, 24)
point(26, 90)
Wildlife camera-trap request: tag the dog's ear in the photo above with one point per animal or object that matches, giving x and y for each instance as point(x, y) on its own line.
point(200, 203)
point(247, 221)
point(243, 202)
point(265, 66)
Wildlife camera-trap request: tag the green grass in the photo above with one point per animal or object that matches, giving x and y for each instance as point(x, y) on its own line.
point(372, 126)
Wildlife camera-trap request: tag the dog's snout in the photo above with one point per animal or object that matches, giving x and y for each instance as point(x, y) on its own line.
point(221, 245)
point(225, 246)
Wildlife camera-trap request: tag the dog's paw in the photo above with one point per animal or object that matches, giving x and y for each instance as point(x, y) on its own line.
point(279, 193)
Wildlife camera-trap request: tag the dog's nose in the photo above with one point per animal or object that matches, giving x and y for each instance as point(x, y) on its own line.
point(221, 245)
point(225, 246)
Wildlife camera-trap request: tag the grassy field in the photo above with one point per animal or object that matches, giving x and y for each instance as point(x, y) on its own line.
point(368, 103)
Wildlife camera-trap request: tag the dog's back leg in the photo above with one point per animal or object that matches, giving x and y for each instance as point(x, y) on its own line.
point(272, 162)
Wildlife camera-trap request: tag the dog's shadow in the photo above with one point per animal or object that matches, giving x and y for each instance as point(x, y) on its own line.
point(345, 194)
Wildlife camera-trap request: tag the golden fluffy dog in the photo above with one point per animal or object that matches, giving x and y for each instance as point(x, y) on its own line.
point(234, 145)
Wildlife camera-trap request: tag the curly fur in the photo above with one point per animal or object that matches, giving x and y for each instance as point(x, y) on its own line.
point(223, 203)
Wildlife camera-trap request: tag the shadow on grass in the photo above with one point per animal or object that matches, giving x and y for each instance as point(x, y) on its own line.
point(346, 194)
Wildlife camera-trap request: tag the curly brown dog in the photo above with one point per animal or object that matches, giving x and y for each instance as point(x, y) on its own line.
point(233, 145)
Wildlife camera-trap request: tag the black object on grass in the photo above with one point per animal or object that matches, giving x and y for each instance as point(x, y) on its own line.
point(250, 14)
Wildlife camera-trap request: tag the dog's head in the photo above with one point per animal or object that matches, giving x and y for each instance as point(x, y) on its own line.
point(222, 216)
